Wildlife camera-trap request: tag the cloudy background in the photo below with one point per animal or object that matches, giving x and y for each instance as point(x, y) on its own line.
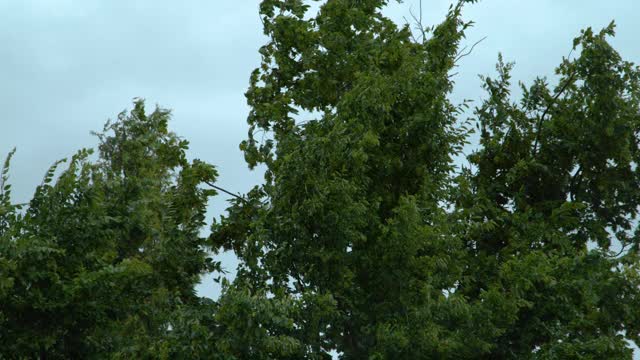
point(66, 66)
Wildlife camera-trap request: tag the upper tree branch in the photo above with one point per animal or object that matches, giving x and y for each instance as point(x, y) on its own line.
point(225, 191)
point(544, 113)
point(462, 54)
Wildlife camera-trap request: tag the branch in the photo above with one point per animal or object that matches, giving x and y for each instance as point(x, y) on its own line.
point(461, 55)
point(553, 100)
point(299, 285)
point(576, 179)
point(225, 191)
point(623, 248)
point(418, 21)
point(411, 32)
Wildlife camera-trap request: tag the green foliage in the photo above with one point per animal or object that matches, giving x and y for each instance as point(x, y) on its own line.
point(557, 176)
point(365, 239)
point(102, 254)
point(363, 206)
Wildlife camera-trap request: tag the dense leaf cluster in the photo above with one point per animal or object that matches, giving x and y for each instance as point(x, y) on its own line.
point(100, 256)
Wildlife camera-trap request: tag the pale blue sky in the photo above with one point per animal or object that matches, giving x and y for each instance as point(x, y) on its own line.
point(68, 65)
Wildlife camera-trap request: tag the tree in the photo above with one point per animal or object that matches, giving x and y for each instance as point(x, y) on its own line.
point(366, 238)
point(389, 250)
point(554, 196)
point(98, 260)
point(102, 262)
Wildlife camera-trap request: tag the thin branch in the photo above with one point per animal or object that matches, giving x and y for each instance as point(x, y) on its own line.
point(555, 97)
point(623, 248)
point(300, 286)
point(225, 191)
point(411, 32)
point(553, 100)
point(418, 21)
point(461, 54)
point(569, 56)
point(576, 180)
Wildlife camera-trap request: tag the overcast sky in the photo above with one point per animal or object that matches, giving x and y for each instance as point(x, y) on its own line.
point(66, 66)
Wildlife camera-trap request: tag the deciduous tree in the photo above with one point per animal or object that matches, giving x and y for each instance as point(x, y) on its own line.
point(394, 252)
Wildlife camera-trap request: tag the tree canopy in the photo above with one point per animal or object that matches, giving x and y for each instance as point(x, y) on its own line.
point(369, 238)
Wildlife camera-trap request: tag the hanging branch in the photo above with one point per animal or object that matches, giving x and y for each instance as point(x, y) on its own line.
point(623, 248)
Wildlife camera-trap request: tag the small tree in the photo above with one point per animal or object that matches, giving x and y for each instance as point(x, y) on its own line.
point(101, 256)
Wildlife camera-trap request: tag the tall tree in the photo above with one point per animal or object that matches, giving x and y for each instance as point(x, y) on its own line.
point(353, 221)
point(389, 251)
